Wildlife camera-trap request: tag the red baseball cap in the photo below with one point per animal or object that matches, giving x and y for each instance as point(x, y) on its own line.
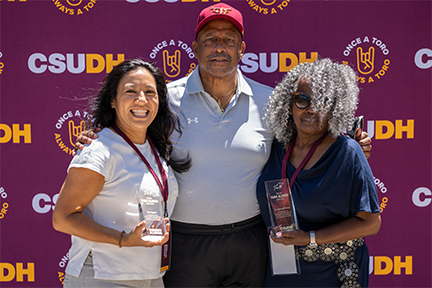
point(220, 11)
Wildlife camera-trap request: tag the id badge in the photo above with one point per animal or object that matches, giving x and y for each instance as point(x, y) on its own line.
point(166, 255)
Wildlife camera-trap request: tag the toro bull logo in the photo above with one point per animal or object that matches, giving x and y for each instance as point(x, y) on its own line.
point(69, 126)
point(371, 58)
point(175, 55)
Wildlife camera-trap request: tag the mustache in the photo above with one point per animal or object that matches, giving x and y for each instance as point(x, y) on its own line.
point(219, 55)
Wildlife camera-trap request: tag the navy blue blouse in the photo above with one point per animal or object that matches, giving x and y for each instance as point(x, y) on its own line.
point(337, 187)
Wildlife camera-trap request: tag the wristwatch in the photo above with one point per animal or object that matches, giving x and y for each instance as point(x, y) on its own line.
point(312, 239)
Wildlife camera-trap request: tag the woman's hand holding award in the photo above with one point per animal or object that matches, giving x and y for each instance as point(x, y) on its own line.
point(281, 206)
point(151, 211)
point(283, 218)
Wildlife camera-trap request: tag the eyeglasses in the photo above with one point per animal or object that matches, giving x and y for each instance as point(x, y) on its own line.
point(301, 100)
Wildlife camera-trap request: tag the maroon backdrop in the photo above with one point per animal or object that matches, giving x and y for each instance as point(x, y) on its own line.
point(53, 54)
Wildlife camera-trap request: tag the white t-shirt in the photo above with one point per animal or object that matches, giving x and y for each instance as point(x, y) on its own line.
point(228, 151)
point(116, 207)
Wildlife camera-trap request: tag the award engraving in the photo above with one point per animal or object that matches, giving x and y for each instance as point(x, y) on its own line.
point(150, 210)
point(281, 206)
point(283, 218)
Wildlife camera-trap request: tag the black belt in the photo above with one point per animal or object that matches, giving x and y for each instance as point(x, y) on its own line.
point(200, 229)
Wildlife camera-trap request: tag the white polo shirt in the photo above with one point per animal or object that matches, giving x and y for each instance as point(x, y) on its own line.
point(228, 151)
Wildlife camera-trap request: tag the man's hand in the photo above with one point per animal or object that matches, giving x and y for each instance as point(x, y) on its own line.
point(364, 141)
point(85, 138)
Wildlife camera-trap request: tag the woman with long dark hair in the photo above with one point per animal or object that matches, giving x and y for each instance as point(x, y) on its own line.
point(97, 203)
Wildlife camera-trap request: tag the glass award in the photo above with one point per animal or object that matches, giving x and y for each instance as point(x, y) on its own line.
point(281, 206)
point(151, 211)
point(283, 258)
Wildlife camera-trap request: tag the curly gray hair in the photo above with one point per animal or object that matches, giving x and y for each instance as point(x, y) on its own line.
point(334, 93)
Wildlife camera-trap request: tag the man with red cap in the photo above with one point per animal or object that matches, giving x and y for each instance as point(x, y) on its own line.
point(218, 237)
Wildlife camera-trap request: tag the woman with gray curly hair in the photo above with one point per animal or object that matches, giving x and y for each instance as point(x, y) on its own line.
point(332, 184)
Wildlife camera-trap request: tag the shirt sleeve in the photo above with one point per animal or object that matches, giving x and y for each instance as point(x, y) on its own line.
point(364, 188)
point(95, 157)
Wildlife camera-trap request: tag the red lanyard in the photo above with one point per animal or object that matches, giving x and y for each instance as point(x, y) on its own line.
point(307, 157)
point(164, 187)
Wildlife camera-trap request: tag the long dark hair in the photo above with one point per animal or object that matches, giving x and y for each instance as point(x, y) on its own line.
point(166, 121)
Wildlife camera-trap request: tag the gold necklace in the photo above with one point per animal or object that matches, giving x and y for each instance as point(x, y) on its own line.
point(222, 104)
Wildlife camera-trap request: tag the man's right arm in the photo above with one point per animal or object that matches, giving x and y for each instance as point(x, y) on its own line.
point(85, 137)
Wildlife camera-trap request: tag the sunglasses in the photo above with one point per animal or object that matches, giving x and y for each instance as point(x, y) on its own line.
point(301, 100)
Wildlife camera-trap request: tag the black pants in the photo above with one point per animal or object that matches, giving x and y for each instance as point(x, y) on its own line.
point(233, 255)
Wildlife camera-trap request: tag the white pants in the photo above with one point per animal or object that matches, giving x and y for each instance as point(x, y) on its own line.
point(86, 279)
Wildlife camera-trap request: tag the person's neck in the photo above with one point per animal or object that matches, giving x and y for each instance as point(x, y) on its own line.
point(306, 141)
point(220, 87)
point(137, 136)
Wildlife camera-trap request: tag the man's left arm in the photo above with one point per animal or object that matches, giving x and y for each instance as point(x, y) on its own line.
point(364, 141)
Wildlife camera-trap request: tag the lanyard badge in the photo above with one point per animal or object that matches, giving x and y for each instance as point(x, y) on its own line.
point(163, 186)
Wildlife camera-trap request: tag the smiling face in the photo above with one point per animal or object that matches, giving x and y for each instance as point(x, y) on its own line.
point(136, 103)
point(308, 120)
point(218, 48)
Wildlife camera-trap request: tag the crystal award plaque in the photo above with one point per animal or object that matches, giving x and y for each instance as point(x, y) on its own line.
point(151, 211)
point(281, 206)
point(283, 218)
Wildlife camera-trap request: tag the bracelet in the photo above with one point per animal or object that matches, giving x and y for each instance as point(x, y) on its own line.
point(312, 239)
point(121, 237)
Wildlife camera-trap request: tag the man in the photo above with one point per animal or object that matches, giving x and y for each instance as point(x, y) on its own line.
point(218, 237)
